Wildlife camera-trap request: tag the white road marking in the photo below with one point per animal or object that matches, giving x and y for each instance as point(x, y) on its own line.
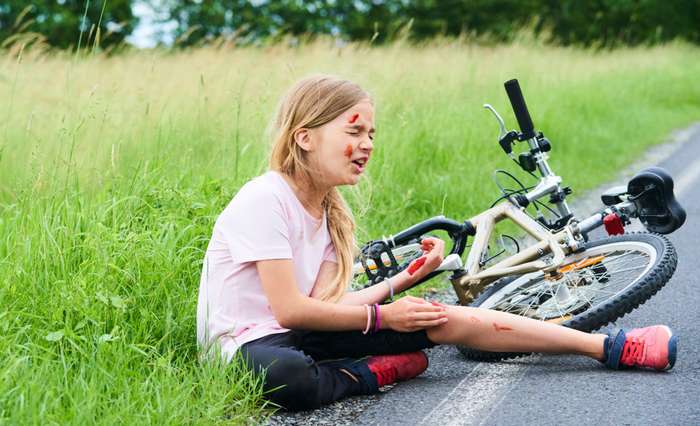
point(481, 390)
point(687, 179)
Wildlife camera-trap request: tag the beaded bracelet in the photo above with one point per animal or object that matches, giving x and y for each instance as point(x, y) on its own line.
point(368, 319)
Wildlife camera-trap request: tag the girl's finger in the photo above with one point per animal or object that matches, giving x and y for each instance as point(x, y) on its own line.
point(428, 324)
point(428, 307)
point(423, 305)
point(429, 316)
point(414, 298)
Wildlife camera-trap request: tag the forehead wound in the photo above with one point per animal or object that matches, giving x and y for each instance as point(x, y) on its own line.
point(353, 118)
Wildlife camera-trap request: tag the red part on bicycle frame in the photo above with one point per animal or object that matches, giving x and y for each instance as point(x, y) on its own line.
point(613, 224)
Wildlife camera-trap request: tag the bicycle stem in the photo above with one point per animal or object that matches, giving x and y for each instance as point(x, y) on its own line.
point(550, 183)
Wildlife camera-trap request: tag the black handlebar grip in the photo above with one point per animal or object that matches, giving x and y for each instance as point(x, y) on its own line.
point(520, 108)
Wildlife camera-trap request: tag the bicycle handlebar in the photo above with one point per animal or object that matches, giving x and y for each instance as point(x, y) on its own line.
point(456, 230)
point(517, 101)
point(458, 233)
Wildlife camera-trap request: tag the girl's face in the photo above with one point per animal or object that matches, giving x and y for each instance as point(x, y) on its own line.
point(342, 147)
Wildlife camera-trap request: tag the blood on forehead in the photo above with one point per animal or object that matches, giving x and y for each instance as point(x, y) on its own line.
point(353, 118)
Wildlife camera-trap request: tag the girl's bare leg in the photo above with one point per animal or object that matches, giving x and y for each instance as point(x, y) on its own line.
point(502, 332)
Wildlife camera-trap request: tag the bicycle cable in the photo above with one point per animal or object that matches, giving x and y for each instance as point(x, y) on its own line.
point(537, 201)
point(507, 192)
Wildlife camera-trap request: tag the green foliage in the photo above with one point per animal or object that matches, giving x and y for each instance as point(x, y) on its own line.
point(614, 22)
point(248, 20)
point(601, 23)
point(66, 23)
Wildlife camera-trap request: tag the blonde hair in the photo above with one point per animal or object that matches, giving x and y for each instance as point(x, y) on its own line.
point(313, 102)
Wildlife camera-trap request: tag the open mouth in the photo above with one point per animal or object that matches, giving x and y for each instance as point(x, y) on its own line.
point(360, 164)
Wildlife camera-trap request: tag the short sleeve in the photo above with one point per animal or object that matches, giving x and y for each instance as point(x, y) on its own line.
point(255, 226)
point(329, 253)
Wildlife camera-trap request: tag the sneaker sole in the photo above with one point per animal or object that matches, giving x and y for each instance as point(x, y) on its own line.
point(672, 349)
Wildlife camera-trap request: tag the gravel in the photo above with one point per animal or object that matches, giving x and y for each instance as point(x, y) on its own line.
point(343, 412)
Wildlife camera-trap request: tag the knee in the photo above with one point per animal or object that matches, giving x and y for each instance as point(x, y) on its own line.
point(461, 322)
point(293, 383)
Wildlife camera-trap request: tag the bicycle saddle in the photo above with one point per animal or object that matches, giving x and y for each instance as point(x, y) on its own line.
point(612, 195)
point(652, 192)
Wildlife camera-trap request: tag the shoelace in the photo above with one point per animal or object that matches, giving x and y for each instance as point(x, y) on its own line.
point(633, 352)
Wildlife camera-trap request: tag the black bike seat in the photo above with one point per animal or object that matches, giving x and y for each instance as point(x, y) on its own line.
point(652, 192)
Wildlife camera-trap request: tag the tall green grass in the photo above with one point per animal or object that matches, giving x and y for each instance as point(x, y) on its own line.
point(113, 170)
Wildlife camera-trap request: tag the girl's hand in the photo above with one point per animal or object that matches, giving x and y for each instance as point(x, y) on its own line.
point(412, 313)
point(433, 254)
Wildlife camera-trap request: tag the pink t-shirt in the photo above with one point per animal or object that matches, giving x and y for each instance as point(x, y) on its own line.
point(265, 220)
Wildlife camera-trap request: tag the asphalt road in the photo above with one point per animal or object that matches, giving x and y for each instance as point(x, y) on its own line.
point(548, 390)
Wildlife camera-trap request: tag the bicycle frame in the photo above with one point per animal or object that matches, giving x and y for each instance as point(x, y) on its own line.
point(470, 283)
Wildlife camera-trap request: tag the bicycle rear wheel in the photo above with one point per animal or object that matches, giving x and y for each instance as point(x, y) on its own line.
point(603, 282)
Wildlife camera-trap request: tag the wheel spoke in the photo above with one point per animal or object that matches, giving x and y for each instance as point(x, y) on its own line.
point(612, 259)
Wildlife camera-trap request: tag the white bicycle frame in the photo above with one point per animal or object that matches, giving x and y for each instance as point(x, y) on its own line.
point(559, 244)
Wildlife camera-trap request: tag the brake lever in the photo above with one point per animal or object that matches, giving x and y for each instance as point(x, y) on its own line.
point(501, 123)
point(505, 138)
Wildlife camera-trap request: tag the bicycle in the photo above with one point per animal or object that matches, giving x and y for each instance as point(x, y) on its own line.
point(563, 277)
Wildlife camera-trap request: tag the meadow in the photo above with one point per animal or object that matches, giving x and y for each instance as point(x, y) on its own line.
point(114, 169)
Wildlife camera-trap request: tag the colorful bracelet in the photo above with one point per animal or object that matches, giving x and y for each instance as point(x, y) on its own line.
point(378, 324)
point(368, 320)
point(391, 289)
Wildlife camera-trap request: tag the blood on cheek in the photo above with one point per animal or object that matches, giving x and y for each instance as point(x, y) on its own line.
point(348, 151)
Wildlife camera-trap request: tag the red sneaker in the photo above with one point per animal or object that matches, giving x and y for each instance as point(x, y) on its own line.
point(390, 369)
point(649, 347)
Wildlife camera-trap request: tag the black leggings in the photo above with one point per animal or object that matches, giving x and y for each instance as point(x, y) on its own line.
point(303, 367)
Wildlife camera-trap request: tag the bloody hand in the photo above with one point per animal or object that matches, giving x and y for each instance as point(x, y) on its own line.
point(416, 264)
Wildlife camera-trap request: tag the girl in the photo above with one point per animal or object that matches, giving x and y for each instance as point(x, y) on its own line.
point(279, 263)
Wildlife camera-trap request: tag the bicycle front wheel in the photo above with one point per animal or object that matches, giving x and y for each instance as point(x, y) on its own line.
point(607, 279)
